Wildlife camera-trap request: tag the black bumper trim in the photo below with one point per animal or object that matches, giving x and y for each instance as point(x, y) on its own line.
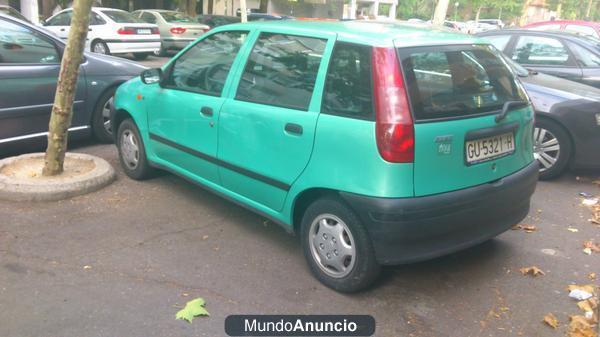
point(406, 230)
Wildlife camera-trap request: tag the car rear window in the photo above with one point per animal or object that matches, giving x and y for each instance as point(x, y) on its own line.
point(121, 16)
point(175, 17)
point(456, 81)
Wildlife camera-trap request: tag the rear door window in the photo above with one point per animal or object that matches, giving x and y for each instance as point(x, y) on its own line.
point(348, 90)
point(538, 50)
point(499, 41)
point(455, 81)
point(282, 70)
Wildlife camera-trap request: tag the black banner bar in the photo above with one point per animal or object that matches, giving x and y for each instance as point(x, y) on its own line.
point(300, 325)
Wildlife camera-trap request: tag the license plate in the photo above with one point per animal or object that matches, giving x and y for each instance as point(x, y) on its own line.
point(484, 149)
point(144, 31)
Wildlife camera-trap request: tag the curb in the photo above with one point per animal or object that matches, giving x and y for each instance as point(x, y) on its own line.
point(14, 189)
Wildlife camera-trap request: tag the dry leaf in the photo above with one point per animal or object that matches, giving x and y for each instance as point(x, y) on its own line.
point(525, 227)
point(579, 326)
point(592, 276)
point(587, 251)
point(533, 271)
point(592, 246)
point(551, 320)
point(587, 305)
point(590, 288)
point(574, 230)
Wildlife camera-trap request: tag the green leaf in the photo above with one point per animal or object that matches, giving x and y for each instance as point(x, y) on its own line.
point(193, 308)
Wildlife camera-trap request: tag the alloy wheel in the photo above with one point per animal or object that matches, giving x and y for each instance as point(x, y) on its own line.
point(546, 148)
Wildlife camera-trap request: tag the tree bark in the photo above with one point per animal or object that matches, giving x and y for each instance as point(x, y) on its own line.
point(439, 15)
point(62, 110)
point(191, 8)
point(523, 18)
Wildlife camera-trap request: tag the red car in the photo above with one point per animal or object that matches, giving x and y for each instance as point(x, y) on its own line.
point(587, 28)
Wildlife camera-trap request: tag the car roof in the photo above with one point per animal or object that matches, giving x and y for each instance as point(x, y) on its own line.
point(367, 32)
point(563, 22)
point(553, 33)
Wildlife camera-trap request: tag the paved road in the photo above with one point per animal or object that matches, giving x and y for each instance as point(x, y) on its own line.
point(121, 261)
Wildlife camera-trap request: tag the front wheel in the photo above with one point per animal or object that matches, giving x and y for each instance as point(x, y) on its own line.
point(337, 247)
point(132, 153)
point(552, 148)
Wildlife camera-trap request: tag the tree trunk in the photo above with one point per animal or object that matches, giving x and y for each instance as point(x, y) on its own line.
point(559, 10)
point(47, 8)
point(523, 18)
point(62, 110)
point(588, 10)
point(439, 16)
point(243, 13)
point(191, 8)
point(478, 13)
point(210, 6)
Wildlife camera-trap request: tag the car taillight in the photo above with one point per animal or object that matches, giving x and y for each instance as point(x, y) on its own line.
point(177, 30)
point(126, 31)
point(155, 30)
point(394, 124)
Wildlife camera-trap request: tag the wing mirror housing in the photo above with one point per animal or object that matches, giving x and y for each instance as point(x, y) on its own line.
point(151, 76)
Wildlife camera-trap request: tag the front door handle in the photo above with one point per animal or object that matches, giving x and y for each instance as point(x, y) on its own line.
point(293, 128)
point(206, 111)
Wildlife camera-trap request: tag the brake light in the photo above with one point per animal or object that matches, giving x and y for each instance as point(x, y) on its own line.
point(393, 122)
point(177, 30)
point(126, 31)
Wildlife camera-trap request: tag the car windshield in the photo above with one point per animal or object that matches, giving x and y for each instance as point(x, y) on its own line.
point(174, 17)
point(121, 17)
point(457, 81)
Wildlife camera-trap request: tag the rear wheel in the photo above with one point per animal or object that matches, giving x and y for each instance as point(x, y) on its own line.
point(132, 153)
point(140, 56)
point(100, 47)
point(101, 117)
point(552, 148)
point(337, 247)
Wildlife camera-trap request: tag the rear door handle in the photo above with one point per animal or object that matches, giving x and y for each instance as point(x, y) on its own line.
point(293, 128)
point(206, 111)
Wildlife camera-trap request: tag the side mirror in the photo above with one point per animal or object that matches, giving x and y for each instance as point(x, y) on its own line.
point(151, 76)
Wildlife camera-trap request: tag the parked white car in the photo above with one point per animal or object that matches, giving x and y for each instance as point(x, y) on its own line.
point(112, 31)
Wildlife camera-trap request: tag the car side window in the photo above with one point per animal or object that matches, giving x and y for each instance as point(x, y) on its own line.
point(204, 67)
point(585, 57)
point(62, 19)
point(348, 89)
point(540, 50)
point(582, 30)
point(19, 44)
point(96, 20)
point(147, 17)
point(282, 70)
point(499, 41)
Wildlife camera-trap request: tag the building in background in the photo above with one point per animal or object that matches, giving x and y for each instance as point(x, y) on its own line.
point(358, 9)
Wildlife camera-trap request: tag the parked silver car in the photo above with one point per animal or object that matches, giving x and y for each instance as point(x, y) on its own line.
point(177, 29)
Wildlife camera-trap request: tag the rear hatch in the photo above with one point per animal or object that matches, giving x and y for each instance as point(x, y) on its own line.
point(456, 94)
point(184, 26)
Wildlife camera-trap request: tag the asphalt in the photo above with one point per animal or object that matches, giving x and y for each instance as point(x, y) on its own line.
point(122, 261)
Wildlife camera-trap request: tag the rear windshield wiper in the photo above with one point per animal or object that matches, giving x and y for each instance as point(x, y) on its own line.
point(507, 106)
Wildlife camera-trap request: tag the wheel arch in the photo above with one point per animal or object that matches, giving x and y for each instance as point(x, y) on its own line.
point(304, 199)
point(553, 118)
point(119, 116)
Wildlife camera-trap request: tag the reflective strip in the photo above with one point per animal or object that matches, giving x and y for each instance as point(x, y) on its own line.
point(39, 134)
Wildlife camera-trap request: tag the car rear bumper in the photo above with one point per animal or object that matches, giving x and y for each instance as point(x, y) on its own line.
point(411, 229)
point(133, 46)
point(176, 43)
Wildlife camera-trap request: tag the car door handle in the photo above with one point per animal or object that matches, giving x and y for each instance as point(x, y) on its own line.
point(206, 111)
point(293, 128)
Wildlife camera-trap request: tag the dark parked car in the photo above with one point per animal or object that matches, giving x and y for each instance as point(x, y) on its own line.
point(567, 126)
point(29, 67)
point(560, 54)
point(217, 20)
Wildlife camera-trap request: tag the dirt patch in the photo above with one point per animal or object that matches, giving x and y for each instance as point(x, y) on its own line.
point(31, 168)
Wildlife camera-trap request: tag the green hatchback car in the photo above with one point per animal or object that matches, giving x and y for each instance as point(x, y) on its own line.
point(377, 143)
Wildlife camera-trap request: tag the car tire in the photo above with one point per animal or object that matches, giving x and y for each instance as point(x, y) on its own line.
point(140, 56)
point(331, 231)
point(552, 148)
point(161, 52)
point(101, 117)
point(100, 47)
point(132, 153)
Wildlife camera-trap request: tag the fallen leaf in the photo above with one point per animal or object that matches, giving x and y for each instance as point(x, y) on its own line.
point(574, 230)
point(590, 288)
point(193, 308)
point(579, 326)
point(592, 246)
point(533, 271)
point(587, 251)
point(204, 237)
point(551, 320)
point(87, 267)
point(592, 276)
point(587, 305)
point(526, 228)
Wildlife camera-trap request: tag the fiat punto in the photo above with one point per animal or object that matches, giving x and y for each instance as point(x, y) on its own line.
point(377, 143)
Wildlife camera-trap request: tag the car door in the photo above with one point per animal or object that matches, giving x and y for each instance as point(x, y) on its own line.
point(547, 55)
point(29, 67)
point(266, 129)
point(184, 109)
point(589, 61)
point(60, 24)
